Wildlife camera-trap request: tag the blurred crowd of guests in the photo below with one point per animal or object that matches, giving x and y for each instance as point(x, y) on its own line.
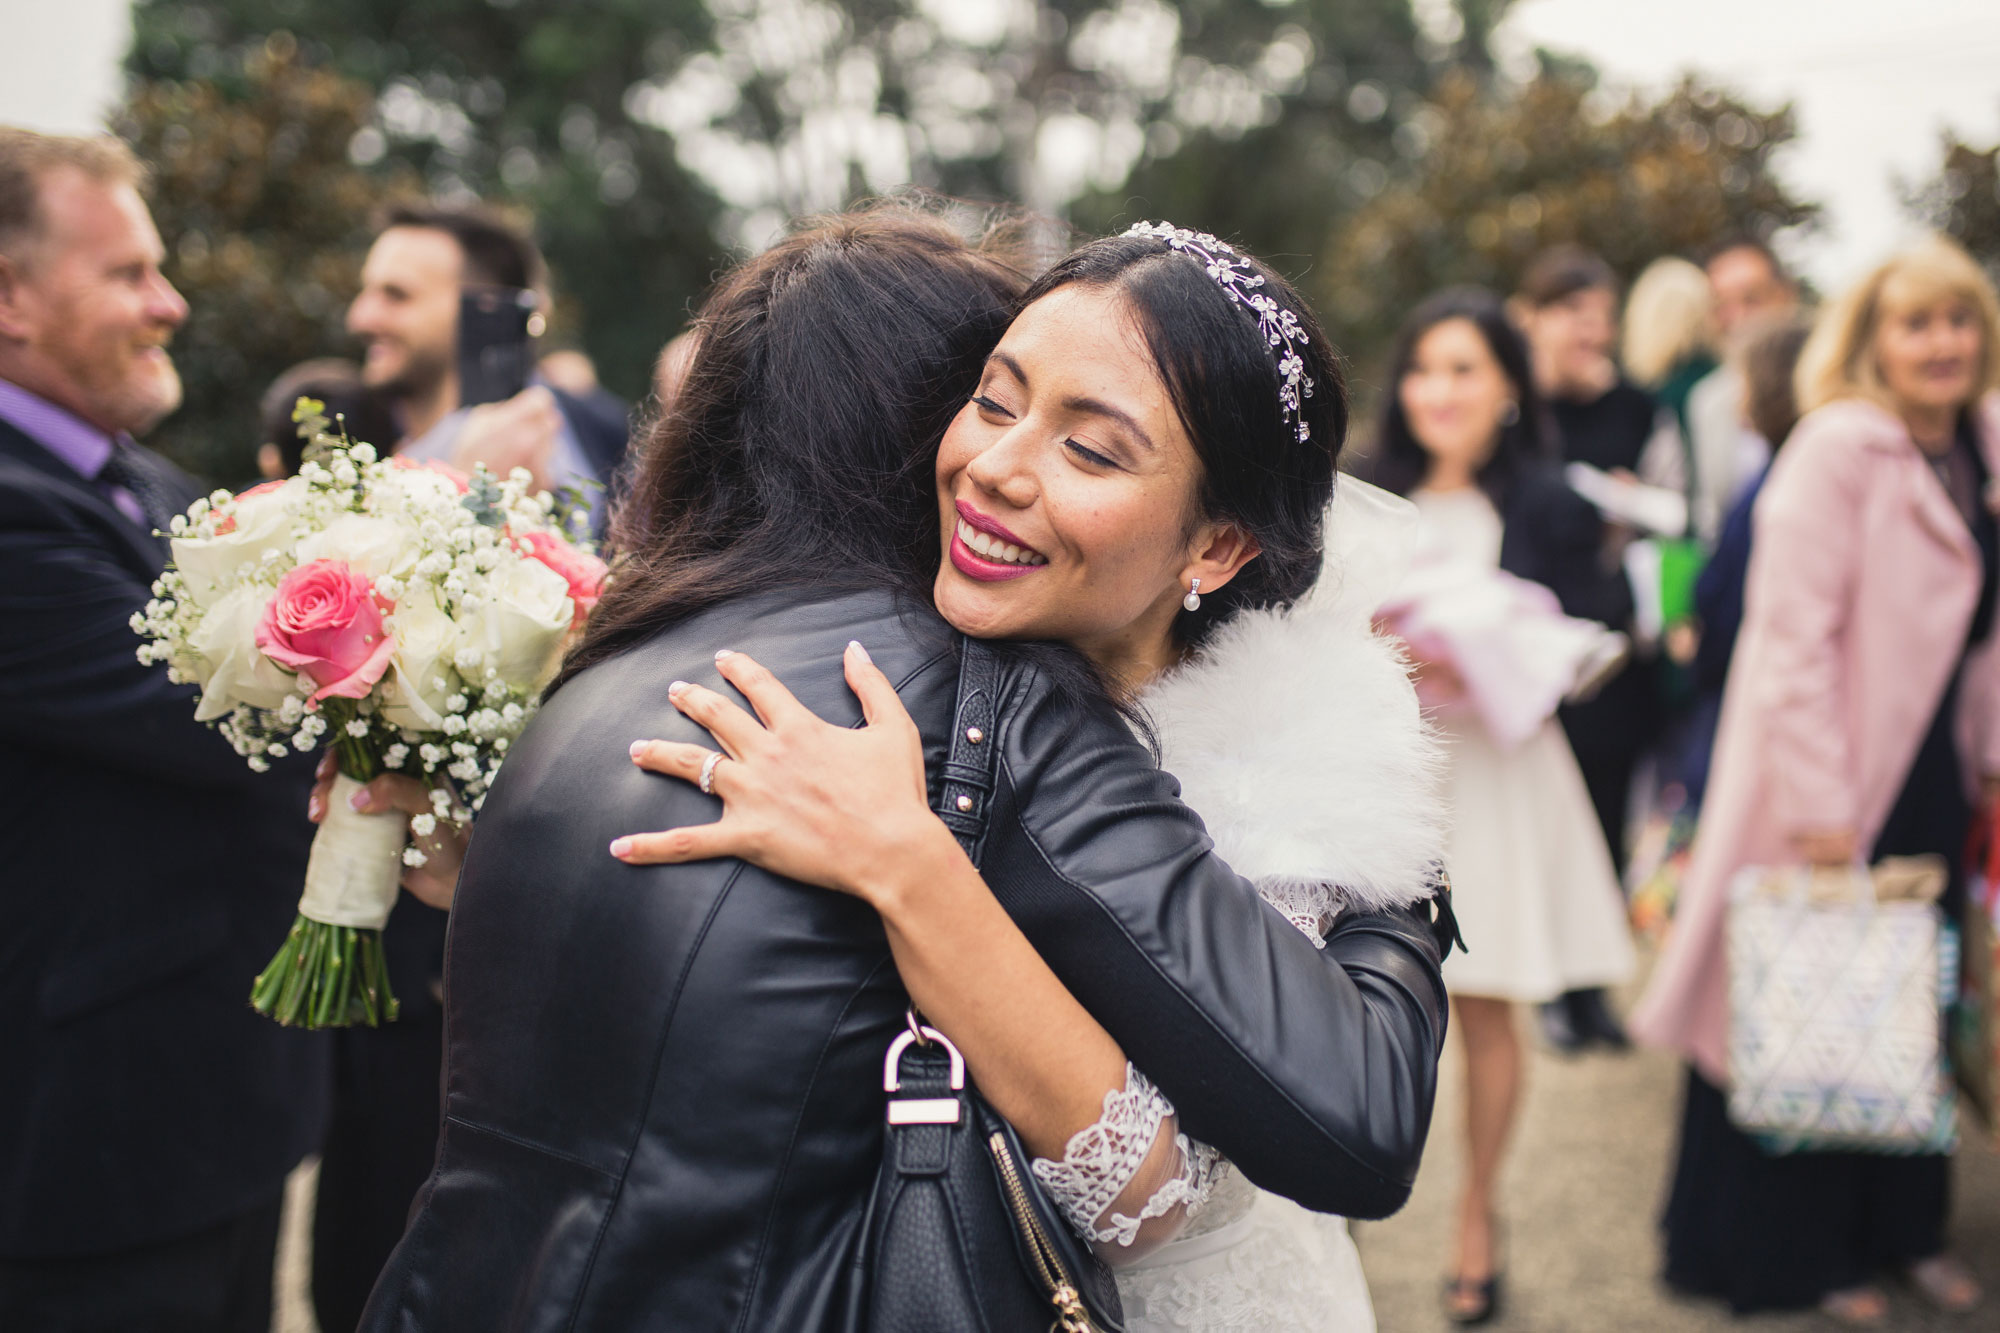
point(1782, 522)
point(1788, 516)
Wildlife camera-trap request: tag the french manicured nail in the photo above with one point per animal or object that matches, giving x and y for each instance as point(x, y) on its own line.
point(854, 645)
point(721, 653)
point(621, 846)
point(315, 808)
point(360, 800)
point(674, 690)
point(638, 748)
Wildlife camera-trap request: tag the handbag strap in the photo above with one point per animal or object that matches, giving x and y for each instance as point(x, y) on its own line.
point(967, 787)
point(920, 1138)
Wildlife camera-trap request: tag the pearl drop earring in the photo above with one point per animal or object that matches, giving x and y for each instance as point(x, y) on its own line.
point(1192, 602)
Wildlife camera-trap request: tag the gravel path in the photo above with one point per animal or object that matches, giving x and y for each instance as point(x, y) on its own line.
point(1583, 1187)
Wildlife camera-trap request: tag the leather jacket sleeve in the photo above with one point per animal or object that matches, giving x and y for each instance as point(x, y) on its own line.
point(1312, 1070)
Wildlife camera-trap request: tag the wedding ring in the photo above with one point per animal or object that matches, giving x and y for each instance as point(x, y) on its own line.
point(708, 772)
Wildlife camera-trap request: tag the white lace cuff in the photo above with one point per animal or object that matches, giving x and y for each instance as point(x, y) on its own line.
point(1307, 904)
point(1103, 1163)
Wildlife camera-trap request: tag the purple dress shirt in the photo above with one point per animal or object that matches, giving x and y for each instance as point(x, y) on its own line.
point(82, 446)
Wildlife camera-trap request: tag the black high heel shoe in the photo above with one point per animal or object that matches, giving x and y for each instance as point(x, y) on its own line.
point(1468, 1314)
point(1592, 1016)
point(1488, 1290)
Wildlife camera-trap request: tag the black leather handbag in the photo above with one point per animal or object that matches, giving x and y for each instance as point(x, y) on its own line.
point(960, 1234)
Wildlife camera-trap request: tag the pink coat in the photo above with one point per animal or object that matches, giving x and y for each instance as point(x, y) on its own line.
point(1862, 585)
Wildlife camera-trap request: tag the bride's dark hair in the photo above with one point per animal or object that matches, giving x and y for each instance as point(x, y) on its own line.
point(800, 448)
point(1223, 381)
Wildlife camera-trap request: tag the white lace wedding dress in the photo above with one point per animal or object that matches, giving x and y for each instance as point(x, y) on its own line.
point(1297, 737)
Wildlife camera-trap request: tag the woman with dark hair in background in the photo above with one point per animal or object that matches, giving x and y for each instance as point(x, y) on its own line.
point(1462, 434)
point(663, 1089)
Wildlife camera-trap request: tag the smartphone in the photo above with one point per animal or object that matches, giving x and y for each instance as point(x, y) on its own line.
point(496, 340)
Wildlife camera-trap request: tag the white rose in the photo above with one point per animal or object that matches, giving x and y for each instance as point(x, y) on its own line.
point(370, 546)
point(519, 624)
point(263, 523)
point(231, 669)
point(426, 639)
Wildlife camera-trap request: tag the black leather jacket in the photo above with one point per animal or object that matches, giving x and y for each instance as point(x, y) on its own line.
point(663, 1097)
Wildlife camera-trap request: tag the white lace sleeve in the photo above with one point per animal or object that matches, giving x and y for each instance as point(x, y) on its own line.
point(1129, 1182)
point(1307, 904)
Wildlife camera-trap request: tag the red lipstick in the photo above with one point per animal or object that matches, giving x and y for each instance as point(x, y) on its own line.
point(976, 566)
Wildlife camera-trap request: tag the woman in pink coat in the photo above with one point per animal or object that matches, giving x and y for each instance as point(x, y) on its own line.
point(1858, 720)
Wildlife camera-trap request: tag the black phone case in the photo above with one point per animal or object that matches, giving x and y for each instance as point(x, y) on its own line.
point(495, 351)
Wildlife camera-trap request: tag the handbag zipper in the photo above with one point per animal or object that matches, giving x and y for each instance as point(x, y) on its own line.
point(1071, 1316)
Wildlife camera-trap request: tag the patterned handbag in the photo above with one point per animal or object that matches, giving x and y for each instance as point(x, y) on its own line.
point(1838, 983)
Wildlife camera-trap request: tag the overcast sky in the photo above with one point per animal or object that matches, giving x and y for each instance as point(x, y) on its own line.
point(1874, 82)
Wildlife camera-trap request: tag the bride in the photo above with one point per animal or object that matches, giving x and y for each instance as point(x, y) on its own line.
point(1294, 731)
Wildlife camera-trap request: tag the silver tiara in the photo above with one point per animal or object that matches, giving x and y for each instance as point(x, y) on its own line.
point(1239, 282)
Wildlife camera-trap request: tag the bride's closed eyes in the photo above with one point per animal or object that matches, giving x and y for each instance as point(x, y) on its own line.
point(997, 412)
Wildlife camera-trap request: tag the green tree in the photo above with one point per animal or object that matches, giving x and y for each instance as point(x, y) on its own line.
point(1963, 199)
point(518, 102)
point(264, 218)
point(651, 138)
point(1054, 105)
point(1511, 170)
point(1281, 118)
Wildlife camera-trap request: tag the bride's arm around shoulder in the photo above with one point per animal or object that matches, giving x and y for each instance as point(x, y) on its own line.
point(1300, 746)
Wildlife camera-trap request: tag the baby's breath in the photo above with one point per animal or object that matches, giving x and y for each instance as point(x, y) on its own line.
point(458, 545)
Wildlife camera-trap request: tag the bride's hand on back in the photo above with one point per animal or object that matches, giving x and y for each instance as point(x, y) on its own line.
point(840, 807)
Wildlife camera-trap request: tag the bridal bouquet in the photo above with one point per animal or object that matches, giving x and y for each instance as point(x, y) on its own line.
point(403, 616)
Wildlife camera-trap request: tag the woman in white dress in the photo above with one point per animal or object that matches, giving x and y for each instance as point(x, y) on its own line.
point(1080, 502)
point(1533, 885)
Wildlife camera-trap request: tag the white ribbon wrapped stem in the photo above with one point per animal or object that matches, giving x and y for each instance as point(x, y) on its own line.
point(356, 867)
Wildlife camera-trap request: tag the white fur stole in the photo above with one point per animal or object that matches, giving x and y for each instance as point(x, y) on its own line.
point(1297, 738)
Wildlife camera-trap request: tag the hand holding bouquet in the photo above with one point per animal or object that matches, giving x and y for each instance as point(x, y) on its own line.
point(405, 617)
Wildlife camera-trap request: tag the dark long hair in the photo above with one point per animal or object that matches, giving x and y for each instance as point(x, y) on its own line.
point(1223, 380)
point(825, 372)
point(1400, 463)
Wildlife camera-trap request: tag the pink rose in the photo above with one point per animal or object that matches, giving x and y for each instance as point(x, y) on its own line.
point(325, 622)
point(583, 572)
point(439, 466)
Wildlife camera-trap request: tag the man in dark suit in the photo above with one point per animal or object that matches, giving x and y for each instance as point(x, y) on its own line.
point(148, 1118)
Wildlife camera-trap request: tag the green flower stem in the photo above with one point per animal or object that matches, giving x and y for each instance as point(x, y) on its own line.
point(326, 977)
point(330, 976)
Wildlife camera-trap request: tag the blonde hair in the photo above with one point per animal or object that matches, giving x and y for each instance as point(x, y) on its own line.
point(27, 156)
point(1667, 320)
point(1839, 357)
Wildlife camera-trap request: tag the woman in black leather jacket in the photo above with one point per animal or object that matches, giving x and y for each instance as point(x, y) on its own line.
point(1077, 501)
point(658, 1105)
